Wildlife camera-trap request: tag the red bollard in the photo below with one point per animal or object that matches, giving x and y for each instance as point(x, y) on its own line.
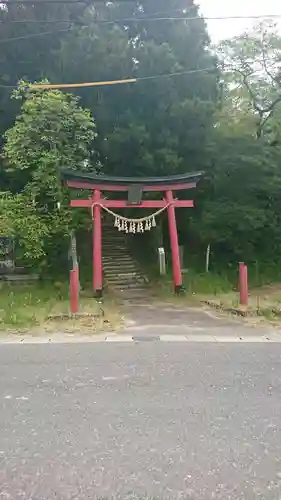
point(74, 290)
point(243, 284)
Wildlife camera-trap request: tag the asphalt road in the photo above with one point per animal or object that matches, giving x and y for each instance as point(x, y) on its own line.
point(164, 420)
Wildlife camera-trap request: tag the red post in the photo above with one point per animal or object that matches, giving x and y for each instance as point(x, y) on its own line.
point(176, 264)
point(97, 252)
point(74, 290)
point(243, 284)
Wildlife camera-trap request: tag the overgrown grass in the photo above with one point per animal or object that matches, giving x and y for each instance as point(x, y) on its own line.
point(218, 281)
point(201, 284)
point(207, 283)
point(30, 308)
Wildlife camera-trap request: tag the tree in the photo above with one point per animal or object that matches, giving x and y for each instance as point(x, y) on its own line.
point(158, 125)
point(253, 63)
point(51, 132)
point(24, 55)
point(239, 212)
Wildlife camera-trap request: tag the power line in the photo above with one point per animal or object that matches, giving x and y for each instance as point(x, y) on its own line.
point(46, 86)
point(117, 82)
point(34, 21)
point(129, 20)
point(35, 35)
point(179, 73)
point(38, 2)
point(58, 21)
point(147, 19)
point(50, 86)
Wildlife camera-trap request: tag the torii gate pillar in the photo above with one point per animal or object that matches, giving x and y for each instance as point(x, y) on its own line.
point(97, 245)
point(176, 263)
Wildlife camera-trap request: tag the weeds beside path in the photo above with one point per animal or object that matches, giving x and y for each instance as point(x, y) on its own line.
point(39, 308)
point(219, 292)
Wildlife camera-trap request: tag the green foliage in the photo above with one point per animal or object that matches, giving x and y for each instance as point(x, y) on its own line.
point(51, 132)
point(239, 206)
point(252, 61)
point(156, 126)
point(18, 218)
point(239, 211)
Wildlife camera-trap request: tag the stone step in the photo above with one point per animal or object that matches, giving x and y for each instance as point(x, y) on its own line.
point(117, 255)
point(115, 244)
point(112, 256)
point(134, 296)
point(113, 241)
point(125, 278)
point(113, 236)
point(132, 290)
point(129, 289)
point(116, 263)
point(123, 271)
point(127, 284)
point(127, 271)
point(109, 238)
point(114, 233)
point(121, 267)
point(114, 249)
point(108, 259)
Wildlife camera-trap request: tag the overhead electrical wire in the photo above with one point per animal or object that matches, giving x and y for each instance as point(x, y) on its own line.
point(78, 85)
point(86, 2)
point(34, 21)
point(52, 86)
point(147, 19)
point(124, 21)
point(35, 35)
point(106, 22)
point(115, 82)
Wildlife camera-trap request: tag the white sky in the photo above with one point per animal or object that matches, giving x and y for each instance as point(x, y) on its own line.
point(223, 29)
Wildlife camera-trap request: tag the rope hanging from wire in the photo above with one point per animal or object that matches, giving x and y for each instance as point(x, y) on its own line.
point(131, 225)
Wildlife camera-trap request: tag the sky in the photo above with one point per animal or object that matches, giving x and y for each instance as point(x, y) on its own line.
point(223, 29)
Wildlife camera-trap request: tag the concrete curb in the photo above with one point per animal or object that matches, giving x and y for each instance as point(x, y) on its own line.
point(136, 339)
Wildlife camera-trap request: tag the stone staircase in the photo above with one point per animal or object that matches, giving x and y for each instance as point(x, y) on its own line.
point(121, 272)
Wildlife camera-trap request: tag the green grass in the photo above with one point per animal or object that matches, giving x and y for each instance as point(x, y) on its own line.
point(27, 307)
point(207, 283)
point(201, 284)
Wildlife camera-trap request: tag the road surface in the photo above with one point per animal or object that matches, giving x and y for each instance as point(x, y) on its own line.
point(141, 420)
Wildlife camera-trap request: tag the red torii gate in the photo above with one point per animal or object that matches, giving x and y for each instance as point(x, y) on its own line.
point(135, 187)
